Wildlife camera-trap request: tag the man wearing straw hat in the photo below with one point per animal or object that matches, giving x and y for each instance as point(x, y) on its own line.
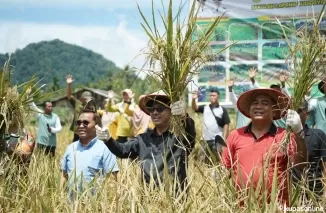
point(318, 107)
point(158, 150)
point(256, 149)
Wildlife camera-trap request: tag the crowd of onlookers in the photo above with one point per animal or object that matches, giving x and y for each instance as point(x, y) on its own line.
point(145, 130)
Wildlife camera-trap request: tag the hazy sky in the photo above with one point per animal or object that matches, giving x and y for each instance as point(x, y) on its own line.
point(108, 27)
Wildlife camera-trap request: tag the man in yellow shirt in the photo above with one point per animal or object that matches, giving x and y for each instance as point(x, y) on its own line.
point(109, 119)
point(125, 109)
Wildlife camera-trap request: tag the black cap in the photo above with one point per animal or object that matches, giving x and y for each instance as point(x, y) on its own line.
point(214, 90)
point(320, 86)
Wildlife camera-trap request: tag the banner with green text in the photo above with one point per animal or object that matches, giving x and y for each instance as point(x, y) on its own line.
point(253, 27)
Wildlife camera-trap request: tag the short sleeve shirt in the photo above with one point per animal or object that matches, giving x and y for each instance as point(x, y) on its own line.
point(210, 126)
point(87, 162)
point(250, 158)
point(319, 107)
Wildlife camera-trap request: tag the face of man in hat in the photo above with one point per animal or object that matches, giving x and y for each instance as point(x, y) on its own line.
point(261, 107)
point(125, 96)
point(160, 114)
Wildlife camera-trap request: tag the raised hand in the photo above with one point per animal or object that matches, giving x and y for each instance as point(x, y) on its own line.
point(102, 133)
point(178, 108)
point(69, 79)
point(293, 120)
point(283, 77)
point(110, 94)
point(231, 83)
point(252, 72)
point(194, 94)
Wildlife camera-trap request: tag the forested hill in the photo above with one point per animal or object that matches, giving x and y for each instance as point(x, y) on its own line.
point(53, 60)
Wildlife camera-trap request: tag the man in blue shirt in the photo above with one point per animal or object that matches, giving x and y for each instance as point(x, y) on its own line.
point(87, 158)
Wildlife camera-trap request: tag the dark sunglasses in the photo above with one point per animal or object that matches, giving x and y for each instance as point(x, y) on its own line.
point(80, 122)
point(158, 109)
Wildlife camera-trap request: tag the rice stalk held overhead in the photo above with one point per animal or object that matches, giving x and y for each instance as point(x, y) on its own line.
point(174, 56)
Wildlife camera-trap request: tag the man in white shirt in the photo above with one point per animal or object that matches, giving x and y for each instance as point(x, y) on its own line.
point(48, 126)
point(215, 122)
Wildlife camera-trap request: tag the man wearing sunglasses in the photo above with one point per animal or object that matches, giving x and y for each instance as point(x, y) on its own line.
point(158, 148)
point(86, 158)
point(84, 102)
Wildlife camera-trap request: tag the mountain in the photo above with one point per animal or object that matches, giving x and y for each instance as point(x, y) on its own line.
point(53, 60)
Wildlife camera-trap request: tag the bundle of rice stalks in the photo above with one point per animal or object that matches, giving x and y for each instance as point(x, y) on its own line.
point(14, 101)
point(306, 62)
point(174, 57)
point(306, 57)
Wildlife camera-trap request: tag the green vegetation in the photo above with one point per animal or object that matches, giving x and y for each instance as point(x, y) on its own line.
point(213, 73)
point(243, 31)
point(53, 60)
point(244, 51)
point(270, 72)
point(274, 31)
point(220, 32)
point(277, 53)
point(240, 72)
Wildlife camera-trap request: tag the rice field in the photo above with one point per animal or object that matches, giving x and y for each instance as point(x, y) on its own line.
point(39, 190)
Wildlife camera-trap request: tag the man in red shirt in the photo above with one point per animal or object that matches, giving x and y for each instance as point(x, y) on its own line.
point(254, 151)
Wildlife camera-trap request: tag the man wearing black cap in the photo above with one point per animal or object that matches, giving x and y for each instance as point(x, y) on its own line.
point(84, 103)
point(318, 107)
point(158, 150)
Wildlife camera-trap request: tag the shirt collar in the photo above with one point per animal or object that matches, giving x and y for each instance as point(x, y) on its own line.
point(272, 130)
point(154, 133)
point(217, 106)
point(89, 145)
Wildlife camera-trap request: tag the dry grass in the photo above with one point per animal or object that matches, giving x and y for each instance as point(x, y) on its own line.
point(39, 191)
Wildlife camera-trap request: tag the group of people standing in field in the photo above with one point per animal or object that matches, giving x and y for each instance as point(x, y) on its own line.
point(143, 131)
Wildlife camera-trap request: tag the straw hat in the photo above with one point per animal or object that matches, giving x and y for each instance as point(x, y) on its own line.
point(159, 96)
point(280, 98)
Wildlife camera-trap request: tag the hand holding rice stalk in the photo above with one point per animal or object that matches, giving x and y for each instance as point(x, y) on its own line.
point(175, 57)
point(306, 60)
point(14, 101)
